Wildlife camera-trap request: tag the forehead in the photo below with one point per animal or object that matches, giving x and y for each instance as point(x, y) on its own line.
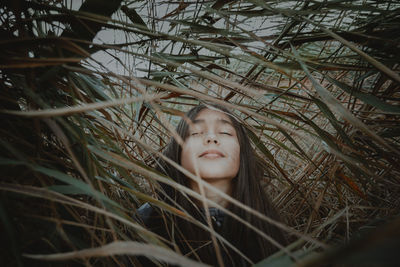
point(211, 116)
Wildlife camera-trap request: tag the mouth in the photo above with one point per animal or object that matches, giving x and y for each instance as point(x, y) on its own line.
point(211, 154)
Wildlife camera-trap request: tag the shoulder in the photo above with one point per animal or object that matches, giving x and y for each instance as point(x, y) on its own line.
point(152, 218)
point(144, 212)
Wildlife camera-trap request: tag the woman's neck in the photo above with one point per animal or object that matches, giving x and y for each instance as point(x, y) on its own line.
point(224, 185)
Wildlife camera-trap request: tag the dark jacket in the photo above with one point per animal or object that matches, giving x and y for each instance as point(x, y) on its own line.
point(154, 221)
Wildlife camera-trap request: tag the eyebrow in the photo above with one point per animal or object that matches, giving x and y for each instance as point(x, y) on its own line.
point(222, 121)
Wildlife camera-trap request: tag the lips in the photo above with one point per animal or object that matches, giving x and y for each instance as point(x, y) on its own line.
point(212, 153)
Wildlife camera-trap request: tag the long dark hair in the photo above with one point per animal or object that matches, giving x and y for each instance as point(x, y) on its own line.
point(246, 189)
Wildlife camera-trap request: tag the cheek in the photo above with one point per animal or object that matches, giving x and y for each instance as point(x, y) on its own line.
point(184, 157)
point(187, 154)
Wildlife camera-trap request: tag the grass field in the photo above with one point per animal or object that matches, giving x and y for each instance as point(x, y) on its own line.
point(91, 93)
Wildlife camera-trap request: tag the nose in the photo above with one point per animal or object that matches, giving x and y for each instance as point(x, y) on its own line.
point(211, 138)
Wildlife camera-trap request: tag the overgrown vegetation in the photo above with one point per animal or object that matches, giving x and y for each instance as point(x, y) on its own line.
point(84, 116)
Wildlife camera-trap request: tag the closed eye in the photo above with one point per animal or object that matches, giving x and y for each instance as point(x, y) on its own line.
point(226, 133)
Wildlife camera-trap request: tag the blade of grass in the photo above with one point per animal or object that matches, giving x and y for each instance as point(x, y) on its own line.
point(123, 248)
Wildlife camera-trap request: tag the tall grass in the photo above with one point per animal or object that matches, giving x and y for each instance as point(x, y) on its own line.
point(84, 115)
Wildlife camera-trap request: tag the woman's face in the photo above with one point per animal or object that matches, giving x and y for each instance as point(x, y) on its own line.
point(212, 146)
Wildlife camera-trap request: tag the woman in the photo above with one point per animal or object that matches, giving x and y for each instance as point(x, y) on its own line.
point(217, 149)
